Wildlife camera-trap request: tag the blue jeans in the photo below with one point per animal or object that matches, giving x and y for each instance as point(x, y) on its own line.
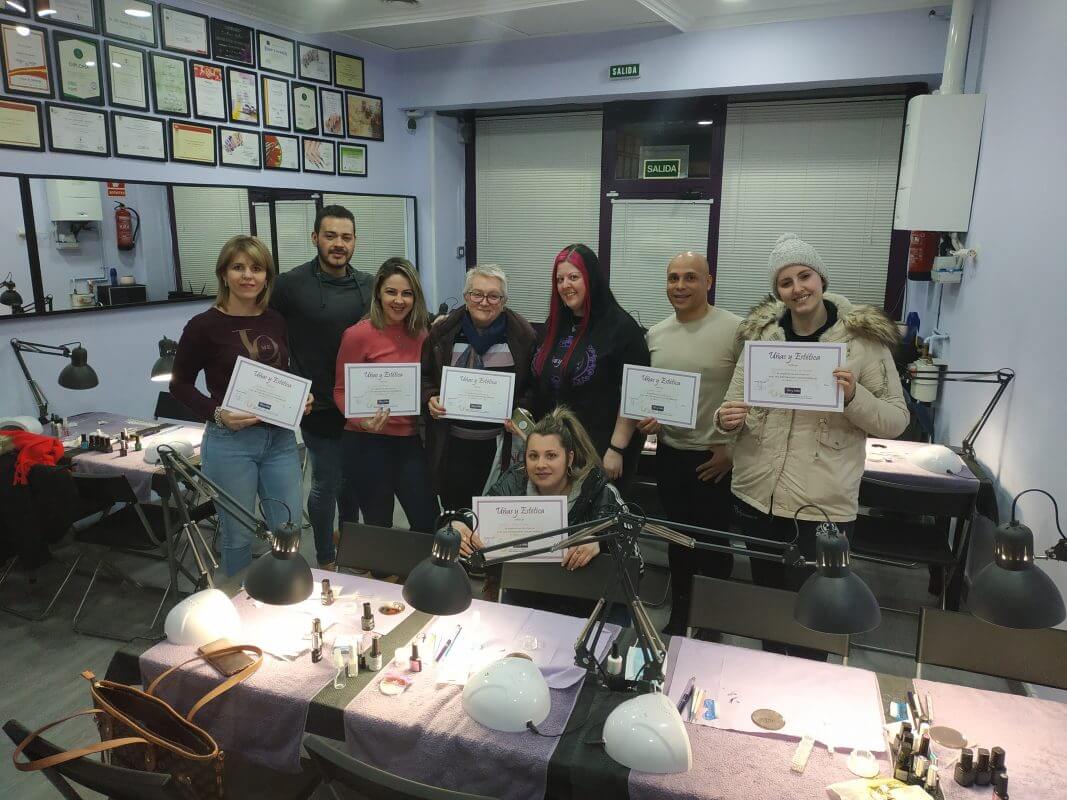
point(329, 493)
point(383, 466)
point(259, 460)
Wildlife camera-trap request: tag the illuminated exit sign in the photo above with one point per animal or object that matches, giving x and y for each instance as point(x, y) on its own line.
point(617, 71)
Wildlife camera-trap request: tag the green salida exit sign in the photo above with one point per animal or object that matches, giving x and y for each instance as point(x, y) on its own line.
point(624, 71)
point(661, 167)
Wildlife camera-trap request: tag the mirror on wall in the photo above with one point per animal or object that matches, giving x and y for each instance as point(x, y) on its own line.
point(16, 283)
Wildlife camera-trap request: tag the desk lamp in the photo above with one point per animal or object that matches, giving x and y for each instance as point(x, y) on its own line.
point(76, 375)
point(646, 733)
point(164, 366)
point(10, 295)
point(280, 578)
point(1012, 591)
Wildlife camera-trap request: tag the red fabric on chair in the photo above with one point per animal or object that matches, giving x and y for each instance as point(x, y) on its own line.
point(33, 449)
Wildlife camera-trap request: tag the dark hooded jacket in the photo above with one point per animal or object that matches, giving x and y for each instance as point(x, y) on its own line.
point(597, 497)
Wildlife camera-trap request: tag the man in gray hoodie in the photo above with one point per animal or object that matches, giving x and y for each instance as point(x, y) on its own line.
point(320, 300)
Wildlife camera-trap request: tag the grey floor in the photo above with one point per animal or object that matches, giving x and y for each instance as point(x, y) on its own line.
point(41, 662)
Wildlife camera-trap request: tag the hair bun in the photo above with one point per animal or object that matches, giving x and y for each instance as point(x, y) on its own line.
point(785, 237)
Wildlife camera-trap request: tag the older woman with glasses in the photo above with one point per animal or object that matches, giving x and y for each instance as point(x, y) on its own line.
point(482, 334)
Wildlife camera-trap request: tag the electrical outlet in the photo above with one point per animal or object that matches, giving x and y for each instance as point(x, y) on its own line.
point(461, 251)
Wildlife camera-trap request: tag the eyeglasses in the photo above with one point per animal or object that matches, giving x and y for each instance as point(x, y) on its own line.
point(492, 298)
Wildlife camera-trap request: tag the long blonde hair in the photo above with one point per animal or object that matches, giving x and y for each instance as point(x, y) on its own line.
point(418, 318)
point(563, 423)
point(254, 248)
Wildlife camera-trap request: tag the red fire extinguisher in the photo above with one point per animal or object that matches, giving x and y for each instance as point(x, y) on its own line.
point(127, 226)
point(922, 248)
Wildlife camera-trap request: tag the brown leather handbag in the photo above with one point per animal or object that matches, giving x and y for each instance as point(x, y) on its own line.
point(140, 731)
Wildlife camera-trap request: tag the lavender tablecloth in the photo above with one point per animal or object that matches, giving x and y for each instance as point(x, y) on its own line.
point(1032, 732)
point(424, 733)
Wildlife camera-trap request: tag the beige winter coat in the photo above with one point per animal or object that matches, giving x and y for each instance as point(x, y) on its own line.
point(786, 459)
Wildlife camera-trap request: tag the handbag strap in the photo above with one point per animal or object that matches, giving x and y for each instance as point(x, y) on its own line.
point(223, 687)
point(68, 755)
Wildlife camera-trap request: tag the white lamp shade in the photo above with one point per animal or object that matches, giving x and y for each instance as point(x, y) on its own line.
point(647, 734)
point(507, 694)
point(201, 618)
point(938, 459)
point(180, 446)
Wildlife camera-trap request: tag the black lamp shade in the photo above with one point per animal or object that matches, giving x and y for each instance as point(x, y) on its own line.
point(281, 577)
point(438, 585)
point(78, 374)
point(1012, 591)
point(164, 366)
point(834, 599)
point(10, 297)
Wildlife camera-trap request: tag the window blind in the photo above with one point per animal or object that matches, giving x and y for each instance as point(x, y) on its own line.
point(826, 171)
point(645, 236)
point(381, 227)
point(295, 220)
point(206, 217)
point(262, 220)
point(537, 180)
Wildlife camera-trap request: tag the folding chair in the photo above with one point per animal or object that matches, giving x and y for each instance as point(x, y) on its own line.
point(389, 551)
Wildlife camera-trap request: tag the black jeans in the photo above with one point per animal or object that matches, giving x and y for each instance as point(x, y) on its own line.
point(769, 573)
point(688, 500)
point(468, 467)
point(383, 466)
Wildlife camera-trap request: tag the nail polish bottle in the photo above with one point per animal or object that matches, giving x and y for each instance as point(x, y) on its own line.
point(902, 767)
point(930, 786)
point(996, 760)
point(1000, 786)
point(368, 618)
point(416, 663)
point(982, 774)
point(613, 666)
point(137, 443)
point(964, 775)
point(924, 744)
point(918, 770)
point(327, 592)
point(374, 657)
point(316, 640)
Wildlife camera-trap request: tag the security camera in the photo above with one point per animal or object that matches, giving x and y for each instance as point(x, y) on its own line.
point(413, 114)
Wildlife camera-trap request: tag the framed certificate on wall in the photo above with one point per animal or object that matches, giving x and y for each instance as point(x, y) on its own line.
point(348, 72)
point(281, 152)
point(305, 109)
point(131, 21)
point(78, 75)
point(135, 136)
point(275, 103)
point(276, 54)
point(233, 43)
point(209, 94)
point(25, 60)
point(332, 112)
point(80, 14)
point(21, 126)
point(352, 160)
point(184, 32)
point(192, 142)
point(319, 156)
point(170, 85)
point(127, 76)
point(313, 63)
point(242, 96)
point(239, 148)
point(77, 130)
point(365, 120)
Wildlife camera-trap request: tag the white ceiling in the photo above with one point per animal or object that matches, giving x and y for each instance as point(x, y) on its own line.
point(439, 23)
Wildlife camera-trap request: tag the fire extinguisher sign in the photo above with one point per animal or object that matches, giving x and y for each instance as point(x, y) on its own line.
point(116, 189)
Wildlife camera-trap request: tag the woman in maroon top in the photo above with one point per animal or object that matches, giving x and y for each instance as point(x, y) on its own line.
point(241, 453)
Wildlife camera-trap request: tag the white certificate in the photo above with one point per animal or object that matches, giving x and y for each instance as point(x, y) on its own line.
point(185, 32)
point(666, 394)
point(77, 130)
point(369, 387)
point(273, 395)
point(139, 137)
point(797, 375)
point(127, 76)
point(118, 22)
point(276, 54)
point(275, 103)
point(504, 519)
point(478, 395)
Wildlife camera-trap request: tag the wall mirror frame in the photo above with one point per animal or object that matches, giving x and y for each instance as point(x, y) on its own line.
point(282, 217)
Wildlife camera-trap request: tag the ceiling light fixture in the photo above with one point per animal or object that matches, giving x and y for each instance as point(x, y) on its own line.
point(705, 122)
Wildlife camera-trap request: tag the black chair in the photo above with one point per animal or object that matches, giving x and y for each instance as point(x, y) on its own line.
point(960, 641)
point(599, 578)
point(389, 551)
point(370, 783)
point(244, 780)
point(760, 612)
point(169, 407)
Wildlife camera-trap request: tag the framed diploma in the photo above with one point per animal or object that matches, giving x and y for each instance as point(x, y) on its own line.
point(21, 126)
point(184, 32)
point(242, 96)
point(275, 103)
point(25, 60)
point(273, 395)
point(209, 95)
point(127, 76)
point(233, 43)
point(348, 72)
point(666, 394)
point(305, 109)
point(140, 137)
point(170, 85)
point(77, 130)
point(796, 375)
point(281, 152)
point(239, 148)
point(505, 519)
point(80, 14)
point(477, 395)
point(131, 21)
point(319, 156)
point(192, 143)
point(332, 112)
point(313, 63)
point(78, 75)
point(276, 54)
point(352, 160)
point(369, 387)
point(365, 117)
point(19, 8)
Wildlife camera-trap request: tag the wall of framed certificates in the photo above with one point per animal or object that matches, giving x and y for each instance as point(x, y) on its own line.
point(201, 90)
